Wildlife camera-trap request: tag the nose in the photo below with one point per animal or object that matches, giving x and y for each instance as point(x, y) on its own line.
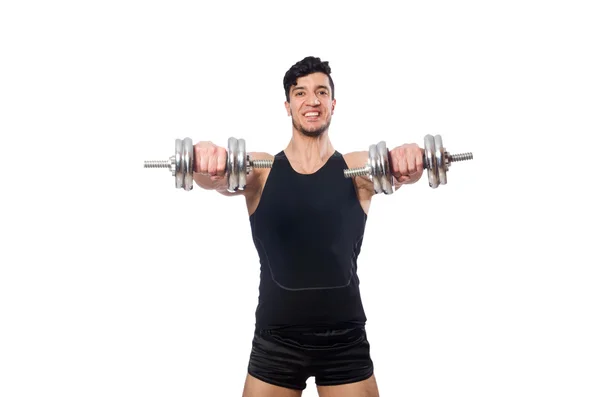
point(314, 100)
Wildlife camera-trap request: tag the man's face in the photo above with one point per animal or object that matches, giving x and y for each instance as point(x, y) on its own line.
point(311, 105)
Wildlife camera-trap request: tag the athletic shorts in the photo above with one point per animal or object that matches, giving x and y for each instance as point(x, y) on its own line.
point(288, 357)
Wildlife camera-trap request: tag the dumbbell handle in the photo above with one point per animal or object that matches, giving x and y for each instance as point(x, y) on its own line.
point(366, 170)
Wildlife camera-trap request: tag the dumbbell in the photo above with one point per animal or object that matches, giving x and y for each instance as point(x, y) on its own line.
point(238, 165)
point(435, 159)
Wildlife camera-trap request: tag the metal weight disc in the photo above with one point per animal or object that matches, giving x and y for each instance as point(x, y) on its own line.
point(386, 177)
point(440, 159)
point(430, 163)
point(232, 174)
point(178, 166)
point(241, 164)
point(374, 172)
point(187, 164)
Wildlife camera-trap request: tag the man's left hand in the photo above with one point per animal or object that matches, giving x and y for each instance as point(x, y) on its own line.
point(406, 163)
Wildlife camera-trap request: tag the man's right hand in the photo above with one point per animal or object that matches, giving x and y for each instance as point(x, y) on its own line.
point(210, 160)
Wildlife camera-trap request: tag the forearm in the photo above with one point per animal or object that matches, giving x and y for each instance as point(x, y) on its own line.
point(216, 183)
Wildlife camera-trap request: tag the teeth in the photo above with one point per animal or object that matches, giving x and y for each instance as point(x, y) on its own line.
point(311, 114)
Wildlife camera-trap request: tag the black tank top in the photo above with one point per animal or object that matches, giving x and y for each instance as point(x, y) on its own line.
point(308, 231)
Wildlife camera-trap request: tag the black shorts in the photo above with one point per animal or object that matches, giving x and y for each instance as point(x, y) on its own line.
point(288, 357)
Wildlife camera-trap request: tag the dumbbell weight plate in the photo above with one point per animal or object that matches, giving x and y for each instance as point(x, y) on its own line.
point(184, 162)
point(241, 164)
point(373, 164)
point(236, 164)
point(440, 159)
point(178, 169)
point(387, 179)
point(188, 164)
point(381, 174)
point(430, 161)
point(232, 174)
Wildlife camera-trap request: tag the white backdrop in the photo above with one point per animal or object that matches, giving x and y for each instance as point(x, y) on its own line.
point(114, 283)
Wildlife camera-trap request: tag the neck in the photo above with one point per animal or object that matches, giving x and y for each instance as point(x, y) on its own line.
point(309, 153)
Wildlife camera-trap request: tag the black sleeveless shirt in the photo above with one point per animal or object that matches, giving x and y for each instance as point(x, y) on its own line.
point(308, 231)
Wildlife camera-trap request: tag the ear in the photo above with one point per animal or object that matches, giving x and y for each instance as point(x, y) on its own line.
point(287, 107)
point(333, 106)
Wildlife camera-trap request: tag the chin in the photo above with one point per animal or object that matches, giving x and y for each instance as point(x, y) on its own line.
point(312, 134)
point(312, 130)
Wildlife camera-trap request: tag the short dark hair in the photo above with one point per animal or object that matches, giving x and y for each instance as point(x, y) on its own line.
point(305, 67)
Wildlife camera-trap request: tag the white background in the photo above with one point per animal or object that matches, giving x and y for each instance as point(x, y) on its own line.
point(114, 283)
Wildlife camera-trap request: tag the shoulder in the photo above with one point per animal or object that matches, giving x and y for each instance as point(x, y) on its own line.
point(356, 159)
point(260, 156)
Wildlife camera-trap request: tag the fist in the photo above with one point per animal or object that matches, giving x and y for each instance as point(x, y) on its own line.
point(209, 159)
point(406, 163)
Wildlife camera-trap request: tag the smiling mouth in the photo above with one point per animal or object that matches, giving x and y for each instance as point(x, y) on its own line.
point(312, 115)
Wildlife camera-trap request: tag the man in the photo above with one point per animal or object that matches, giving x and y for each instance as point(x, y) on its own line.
point(307, 223)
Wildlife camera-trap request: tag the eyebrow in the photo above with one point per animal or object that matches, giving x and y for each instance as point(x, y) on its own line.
point(303, 88)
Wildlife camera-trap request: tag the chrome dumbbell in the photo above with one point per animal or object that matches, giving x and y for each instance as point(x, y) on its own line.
point(435, 159)
point(238, 165)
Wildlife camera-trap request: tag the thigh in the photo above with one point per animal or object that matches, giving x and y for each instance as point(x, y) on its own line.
point(365, 388)
point(254, 387)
